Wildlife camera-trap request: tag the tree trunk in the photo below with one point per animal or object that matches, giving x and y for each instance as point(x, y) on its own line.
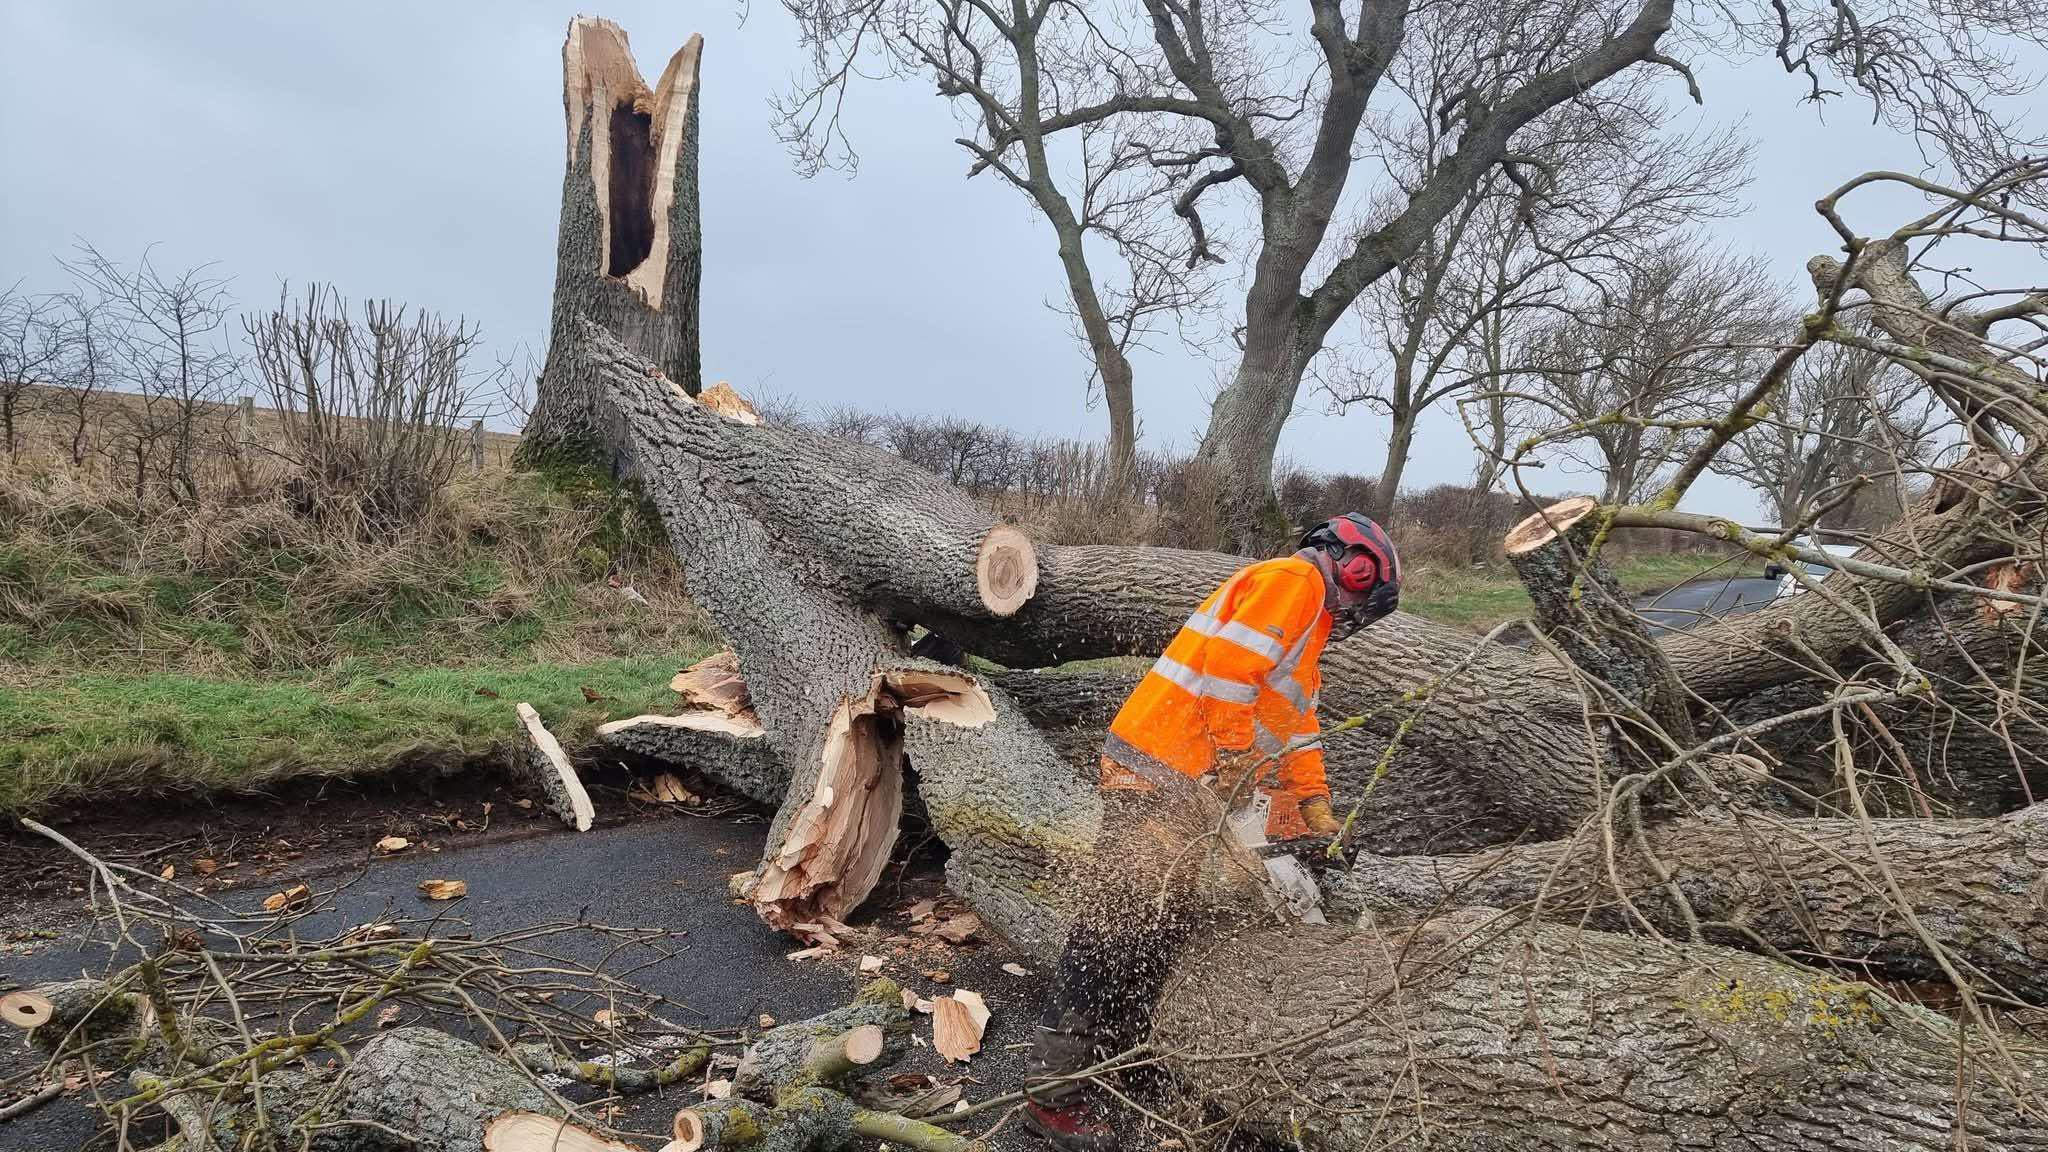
point(1235, 458)
point(1400, 440)
point(1472, 1032)
point(1807, 888)
point(630, 247)
point(1581, 608)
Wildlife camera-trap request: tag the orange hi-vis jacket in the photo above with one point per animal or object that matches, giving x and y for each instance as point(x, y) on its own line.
point(1240, 678)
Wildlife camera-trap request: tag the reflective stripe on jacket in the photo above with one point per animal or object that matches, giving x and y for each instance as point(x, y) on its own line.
point(1240, 679)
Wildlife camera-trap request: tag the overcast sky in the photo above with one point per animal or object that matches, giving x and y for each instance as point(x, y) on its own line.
point(415, 151)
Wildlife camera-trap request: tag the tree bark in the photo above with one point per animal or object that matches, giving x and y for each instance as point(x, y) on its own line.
point(1473, 1032)
point(1808, 888)
point(1400, 441)
point(1580, 607)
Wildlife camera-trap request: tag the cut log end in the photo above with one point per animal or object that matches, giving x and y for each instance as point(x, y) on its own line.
point(689, 1132)
point(1005, 570)
point(1541, 528)
point(25, 1009)
point(864, 1044)
point(534, 1132)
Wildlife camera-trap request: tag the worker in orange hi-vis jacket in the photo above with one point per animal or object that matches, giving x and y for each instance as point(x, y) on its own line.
point(1234, 693)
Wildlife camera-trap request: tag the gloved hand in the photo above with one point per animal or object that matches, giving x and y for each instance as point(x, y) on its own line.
point(1320, 820)
point(1323, 824)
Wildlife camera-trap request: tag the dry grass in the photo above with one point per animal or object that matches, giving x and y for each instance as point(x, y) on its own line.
point(157, 645)
point(507, 567)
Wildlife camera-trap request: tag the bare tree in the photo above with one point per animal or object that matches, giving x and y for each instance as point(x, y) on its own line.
point(1623, 380)
point(1844, 420)
point(1509, 254)
point(370, 407)
point(175, 353)
point(92, 337)
point(1019, 74)
point(1282, 102)
point(32, 344)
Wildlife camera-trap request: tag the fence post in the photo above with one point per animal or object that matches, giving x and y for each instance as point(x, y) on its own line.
point(476, 445)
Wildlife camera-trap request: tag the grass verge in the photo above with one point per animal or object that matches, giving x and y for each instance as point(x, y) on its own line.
point(95, 734)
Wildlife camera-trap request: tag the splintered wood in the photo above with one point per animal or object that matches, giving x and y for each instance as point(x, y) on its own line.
point(958, 1021)
point(550, 770)
point(715, 683)
point(665, 789)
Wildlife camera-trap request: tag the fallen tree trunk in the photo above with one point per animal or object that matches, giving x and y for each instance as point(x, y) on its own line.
point(1474, 1032)
point(1813, 889)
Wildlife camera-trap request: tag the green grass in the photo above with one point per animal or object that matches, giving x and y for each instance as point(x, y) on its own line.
point(1481, 598)
point(235, 645)
point(96, 733)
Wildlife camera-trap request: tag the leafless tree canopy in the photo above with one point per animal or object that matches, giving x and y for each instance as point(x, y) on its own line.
point(1625, 379)
point(1839, 443)
point(370, 407)
point(1255, 118)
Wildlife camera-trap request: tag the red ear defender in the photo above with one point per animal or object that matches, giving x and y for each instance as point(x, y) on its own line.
point(1357, 572)
point(1362, 556)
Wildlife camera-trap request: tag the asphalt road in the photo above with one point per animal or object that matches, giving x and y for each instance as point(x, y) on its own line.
point(669, 874)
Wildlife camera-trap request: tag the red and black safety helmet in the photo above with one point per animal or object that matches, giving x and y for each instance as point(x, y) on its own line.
point(1360, 553)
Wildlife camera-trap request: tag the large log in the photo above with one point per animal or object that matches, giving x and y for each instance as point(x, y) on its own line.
point(1474, 1032)
point(1815, 889)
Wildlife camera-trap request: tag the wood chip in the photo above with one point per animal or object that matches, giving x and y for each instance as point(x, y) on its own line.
point(960, 929)
point(389, 1016)
point(278, 901)
point(921, 910)
point(767, 1021)
point(718, 1089)
point(811, 953)
point(444, 889)
point(665, 789)
point(957, 1024)
point(391, 844)
point(1016, 969)
point(170, 872)
point(869, 964)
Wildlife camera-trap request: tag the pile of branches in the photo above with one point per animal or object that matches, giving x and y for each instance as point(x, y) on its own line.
point(218, 1029)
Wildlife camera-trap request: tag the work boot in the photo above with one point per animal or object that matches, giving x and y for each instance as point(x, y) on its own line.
point(1076, 1125)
